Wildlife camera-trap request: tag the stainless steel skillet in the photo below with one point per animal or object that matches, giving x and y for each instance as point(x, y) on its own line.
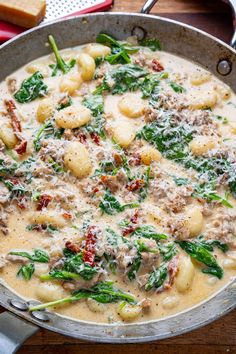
point(18, 324)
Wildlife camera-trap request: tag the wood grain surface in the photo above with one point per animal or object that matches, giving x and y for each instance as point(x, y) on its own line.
point(214, 17)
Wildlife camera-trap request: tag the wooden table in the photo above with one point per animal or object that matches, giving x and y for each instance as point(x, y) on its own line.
point(214, 17)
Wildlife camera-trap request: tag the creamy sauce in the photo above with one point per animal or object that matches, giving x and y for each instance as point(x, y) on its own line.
point(75, 200)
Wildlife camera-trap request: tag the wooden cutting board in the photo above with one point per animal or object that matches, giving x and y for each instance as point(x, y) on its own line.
point(220, 336)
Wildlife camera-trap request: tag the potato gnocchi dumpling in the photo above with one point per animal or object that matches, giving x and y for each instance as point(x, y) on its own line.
point(129, 312)
point(7, 135)
point(123, 133)
point(87, 65)
point(73, 117)
point(46, 217)
point(185, 274)
point(97, 50)
point(49, 292)
point(200, 145)
point(71, 83)
point(45, 110)
point(77, 159)
point(149, 154)
point(199, 78)
point(195, 221)
point(202, 100)
point(131, 106)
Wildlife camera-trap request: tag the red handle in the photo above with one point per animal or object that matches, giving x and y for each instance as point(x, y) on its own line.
point(8, 31)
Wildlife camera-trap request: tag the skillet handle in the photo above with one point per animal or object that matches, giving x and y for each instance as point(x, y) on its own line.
point(148, 6)
point(233, 6)
point(13, 332)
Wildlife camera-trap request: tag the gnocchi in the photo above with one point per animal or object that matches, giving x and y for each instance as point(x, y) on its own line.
point(95, 306)
point(185, 274)
point(123, 134)
point(96, 50)
point(45, 110)
point(77, 159)
point(202, 144)
point(149, 154)
point(131, 106)
point(49, 292)
point(70, 83)
point(129, 312)
point(204, 100)
point(87, 65)
point(199, 78)
point(170, 302)
point(73, 117)
point(195, 221)
point(7, 135)
point(47, 217)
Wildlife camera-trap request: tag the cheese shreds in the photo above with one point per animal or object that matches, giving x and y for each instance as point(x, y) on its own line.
point(25, 13)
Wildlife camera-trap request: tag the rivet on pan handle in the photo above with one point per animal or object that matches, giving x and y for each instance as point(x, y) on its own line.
point(148, 6)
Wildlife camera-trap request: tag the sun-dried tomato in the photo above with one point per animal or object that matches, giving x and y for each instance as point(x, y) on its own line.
point(95, 138)
point(90, 241)
point(134, 217)
point(11, 108)
point(43, 202)
point(157, 66)
point(21, 148)
point(82, 138)
point(128, 230)
point(135, 185)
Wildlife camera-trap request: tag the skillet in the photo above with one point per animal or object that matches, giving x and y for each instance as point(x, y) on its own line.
point(17, 324)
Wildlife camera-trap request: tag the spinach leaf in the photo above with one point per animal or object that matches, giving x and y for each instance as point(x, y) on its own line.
point(103, 292)
point(31, 88)
point(148, 231)
point(177, 88)
point(135, 267)
point(44, 227)
point(167, 250)
point(171, 140)
point(153, 44)
point(110, 205)
point(38, 256)
point(61, 65)
point(7, 169)
point(143, 192)
point(75, 264)
point(65, 102)
point(96, 105)
point(206, 191)
point(17, 190)
point(26, 271)
point(157, 278)
point(114, 239)
point(210, 244)
point(180, 181)
point(73, 268)
point(197, 251)
point(47, 130)
point(125, 78)
point(119, 52)
point(149, 86)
